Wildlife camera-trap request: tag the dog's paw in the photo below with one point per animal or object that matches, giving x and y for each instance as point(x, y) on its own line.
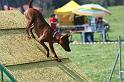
point(29, 37)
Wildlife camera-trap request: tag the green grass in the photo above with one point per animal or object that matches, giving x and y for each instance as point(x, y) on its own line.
point(116, 21)
point(95, 60)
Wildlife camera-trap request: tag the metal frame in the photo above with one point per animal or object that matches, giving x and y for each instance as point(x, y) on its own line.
point(6, 71)
point(118, 58)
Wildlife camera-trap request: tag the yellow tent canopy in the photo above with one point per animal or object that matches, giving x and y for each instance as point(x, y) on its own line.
point(67, 8)
point(65, 14)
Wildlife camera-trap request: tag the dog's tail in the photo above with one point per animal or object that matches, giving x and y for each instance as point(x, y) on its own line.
point(30, 3)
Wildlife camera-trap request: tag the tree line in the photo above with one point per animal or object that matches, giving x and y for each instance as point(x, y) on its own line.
point(50, 5)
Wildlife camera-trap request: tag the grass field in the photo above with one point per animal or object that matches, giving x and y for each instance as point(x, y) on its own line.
point(97, 60)
point(94, 60)
point(116, 21)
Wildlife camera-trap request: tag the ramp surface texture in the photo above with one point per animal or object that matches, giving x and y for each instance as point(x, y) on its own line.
point(27, 61)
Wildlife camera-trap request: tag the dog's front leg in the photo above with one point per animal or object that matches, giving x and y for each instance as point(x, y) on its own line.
point(32, 27)
point(47, 49)
point(53, 51)
point(28, 27)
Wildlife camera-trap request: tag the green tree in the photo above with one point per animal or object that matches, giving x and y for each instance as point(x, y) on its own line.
point(119, 2)
point(59, 3)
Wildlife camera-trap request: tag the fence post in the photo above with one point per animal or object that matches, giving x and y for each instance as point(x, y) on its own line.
point(2, 76)
point(120, 63)
point(118, 58)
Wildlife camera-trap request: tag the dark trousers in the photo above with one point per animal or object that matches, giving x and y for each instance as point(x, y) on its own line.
point(88, 36)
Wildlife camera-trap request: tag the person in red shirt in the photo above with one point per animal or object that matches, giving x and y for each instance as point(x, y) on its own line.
point(53, 22)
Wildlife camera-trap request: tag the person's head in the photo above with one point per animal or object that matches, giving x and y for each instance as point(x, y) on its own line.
point(100, 18)
point(52, 15)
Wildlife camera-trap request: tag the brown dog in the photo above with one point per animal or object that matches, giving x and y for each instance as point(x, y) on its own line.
point(44, 32)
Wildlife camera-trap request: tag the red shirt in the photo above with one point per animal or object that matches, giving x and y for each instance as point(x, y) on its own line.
point(53, 22)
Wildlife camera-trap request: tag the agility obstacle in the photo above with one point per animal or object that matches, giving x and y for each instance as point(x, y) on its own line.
point(118, 58)
point(3, 69)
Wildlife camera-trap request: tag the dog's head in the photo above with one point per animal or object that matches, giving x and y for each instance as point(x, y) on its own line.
point(64, 42)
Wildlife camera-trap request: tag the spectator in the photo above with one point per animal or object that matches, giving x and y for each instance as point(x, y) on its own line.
point(102, 25)
point(53, 22)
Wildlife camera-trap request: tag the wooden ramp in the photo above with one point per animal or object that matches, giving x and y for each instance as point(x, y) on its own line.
point(16, 48)
point(48, 71)
point(27, 61)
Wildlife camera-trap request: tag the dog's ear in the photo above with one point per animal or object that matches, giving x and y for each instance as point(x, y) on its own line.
point(68, 34)
point(65, 36)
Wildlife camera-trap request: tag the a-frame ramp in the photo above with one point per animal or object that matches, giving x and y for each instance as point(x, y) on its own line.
point(26, 60)
point(48, 71)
